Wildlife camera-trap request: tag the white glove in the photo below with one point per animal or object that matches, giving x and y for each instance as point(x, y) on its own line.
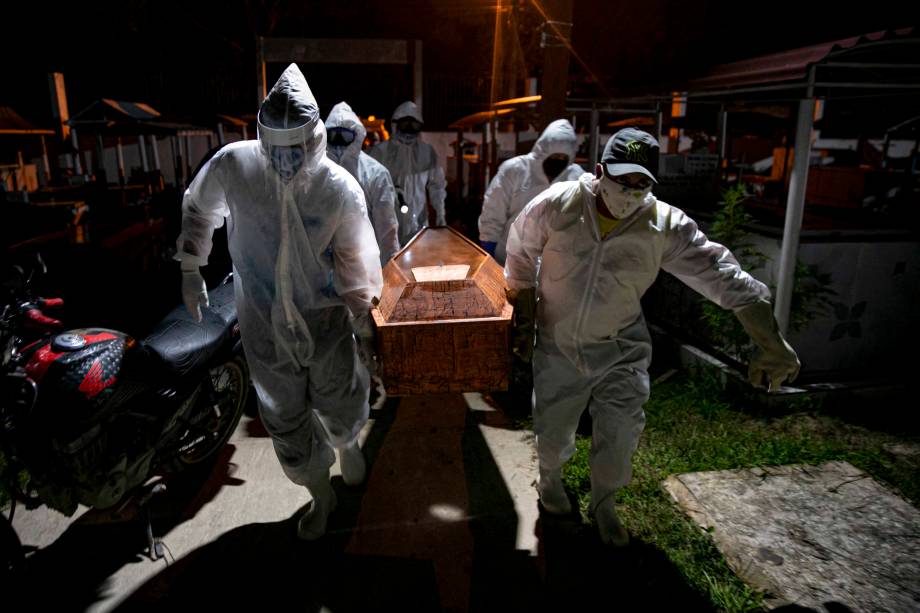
point(194, 290)
point(774, 357)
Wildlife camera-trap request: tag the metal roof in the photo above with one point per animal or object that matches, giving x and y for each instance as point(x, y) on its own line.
point(12, 123)
point(879, 60)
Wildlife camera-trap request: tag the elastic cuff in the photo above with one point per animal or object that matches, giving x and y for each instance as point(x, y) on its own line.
point(190, 262)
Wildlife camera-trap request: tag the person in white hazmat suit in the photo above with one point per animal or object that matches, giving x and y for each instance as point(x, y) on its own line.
point(345, 134)
point(602, 241)
point(306, 267)
point(414, 168)
point(518, 180)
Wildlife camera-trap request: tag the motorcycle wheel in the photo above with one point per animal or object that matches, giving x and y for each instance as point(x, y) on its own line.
point(230, 387)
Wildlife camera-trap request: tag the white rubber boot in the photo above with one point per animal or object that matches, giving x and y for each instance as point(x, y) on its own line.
point(552, 493)
point(312, 524)
point(608, 525)
point(351, 459)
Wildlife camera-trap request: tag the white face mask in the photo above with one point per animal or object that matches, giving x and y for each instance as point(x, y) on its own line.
point(620, 200)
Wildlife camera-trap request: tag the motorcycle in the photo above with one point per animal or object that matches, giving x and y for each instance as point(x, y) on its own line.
point(90, 416)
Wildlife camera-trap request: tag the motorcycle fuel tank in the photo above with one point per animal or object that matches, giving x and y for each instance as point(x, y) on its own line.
point(78, 370)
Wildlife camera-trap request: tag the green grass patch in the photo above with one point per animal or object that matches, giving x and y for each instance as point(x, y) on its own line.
point(694, 425)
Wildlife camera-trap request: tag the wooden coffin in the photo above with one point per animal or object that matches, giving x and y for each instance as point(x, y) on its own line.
point(442, 319)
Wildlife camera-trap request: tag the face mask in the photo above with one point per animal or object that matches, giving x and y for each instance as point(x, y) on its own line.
point(287, 160)
point(553, 166)
point(335, 152)
point(406, 139)
point(622, 201)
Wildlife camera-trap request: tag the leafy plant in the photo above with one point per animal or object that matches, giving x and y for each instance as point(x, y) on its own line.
point(811, 288)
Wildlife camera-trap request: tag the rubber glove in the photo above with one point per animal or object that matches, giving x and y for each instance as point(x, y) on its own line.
point(488, 247)
point(364, 332)
point(194, 290)
point(773, 356)
point(524, 302)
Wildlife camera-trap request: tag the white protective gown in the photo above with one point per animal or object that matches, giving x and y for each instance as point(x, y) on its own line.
point(520, 179)
point(304, 256)
point(593, 348)
point(416, 175)
point(373, 178)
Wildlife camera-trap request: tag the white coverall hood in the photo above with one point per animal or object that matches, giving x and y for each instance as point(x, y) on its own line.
point(341, 116)
point(416, 175)
point(373, 177)
point(558, 137)
point(406, 109)
point(289, 116)
point(520, 179)
point(305, 260)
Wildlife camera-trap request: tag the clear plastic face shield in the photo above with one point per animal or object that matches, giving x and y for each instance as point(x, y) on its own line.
point(290, 152)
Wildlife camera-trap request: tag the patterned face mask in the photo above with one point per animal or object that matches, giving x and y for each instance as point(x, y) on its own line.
point(622, 200)
point(287, 160)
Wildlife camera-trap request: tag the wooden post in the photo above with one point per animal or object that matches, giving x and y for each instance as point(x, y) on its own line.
point(260, 70)
point(556, 41)
point(593, 137)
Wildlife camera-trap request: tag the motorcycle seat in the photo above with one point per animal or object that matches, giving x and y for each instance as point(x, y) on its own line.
point(183, 344)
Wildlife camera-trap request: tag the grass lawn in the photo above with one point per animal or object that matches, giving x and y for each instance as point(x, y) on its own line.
point(694, 425)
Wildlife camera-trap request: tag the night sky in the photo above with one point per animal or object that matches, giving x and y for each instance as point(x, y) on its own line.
point(191, 60)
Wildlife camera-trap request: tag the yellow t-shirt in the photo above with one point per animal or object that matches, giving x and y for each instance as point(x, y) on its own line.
point(606, 224)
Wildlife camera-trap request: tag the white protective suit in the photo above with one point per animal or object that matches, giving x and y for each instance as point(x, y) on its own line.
point(520, 179)
point(304, 256)
point(593, 348)
point(373, 178)
point(416, 174)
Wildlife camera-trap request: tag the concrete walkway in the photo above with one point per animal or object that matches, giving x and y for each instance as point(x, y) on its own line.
point(448, 520)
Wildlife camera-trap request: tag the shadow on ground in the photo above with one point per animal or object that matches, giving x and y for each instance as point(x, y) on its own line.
point(470, 563)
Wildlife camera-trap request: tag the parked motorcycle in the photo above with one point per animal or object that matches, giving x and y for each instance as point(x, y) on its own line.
point(88, 416)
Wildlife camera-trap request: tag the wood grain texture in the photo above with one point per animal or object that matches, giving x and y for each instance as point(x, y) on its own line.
point(447, 335)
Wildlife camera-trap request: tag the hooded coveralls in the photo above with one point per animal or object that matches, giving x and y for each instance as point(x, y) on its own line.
point(521, 178)
point(373, 178)
point(304, 259)
point(416, 174)
point(593, 348)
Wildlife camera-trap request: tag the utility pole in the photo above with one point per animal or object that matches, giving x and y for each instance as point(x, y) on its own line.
point(556, 41)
